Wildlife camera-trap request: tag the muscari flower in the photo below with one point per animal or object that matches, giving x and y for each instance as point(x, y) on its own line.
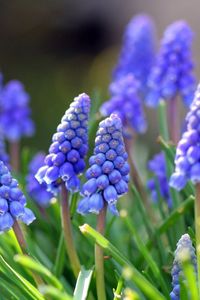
point(184, 248)
point(138, 50)
point(160, 182)
point(12, 201)
point(126, 103)
point(187, 159)
point(37, 191)
point(172, 74)
point(15, 114)
point(69, 147)
point(108, 174)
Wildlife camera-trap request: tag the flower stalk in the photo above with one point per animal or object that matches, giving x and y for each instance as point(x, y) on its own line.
point(99, 259)
point(20, 237)
point(14, 155)
point(67, 229)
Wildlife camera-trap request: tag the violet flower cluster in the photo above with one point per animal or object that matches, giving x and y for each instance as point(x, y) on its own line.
point(159, 184)
point(65, 160)
point(15, 113)
point(173, 71)
point(12, 201)
point(138, 51)
point(184, 248)
point(126, 103)
point(38, 192)
point(187, 159)
point(108, 174)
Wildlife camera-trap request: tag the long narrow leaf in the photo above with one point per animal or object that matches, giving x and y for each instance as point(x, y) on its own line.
point(83, 284)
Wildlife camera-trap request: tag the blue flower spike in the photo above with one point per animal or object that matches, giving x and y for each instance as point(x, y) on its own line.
point(125, 102)
point(157, 166)
point(108, 174)
point(172, 74)
point(184, 250)
point(38, 192)
point(12, 201)
point(187, 159)
point(138, 51)
point(65, 161)
point(15, 117)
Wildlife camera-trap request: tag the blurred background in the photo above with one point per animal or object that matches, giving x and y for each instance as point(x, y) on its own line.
point(59, 49)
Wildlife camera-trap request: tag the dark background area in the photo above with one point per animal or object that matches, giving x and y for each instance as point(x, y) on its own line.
point(59, 49)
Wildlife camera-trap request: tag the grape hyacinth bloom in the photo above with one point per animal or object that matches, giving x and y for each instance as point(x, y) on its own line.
point(69, 147)
point(108, 174)
point(37, 191)
point(12, 201)
point(160, 182)
point(138, 50)
point(126, 103)
point(172, 74)
point(184, 248)
point(187, 159)
point(15, 116)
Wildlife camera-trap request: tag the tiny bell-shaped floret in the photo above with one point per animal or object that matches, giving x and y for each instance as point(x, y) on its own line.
point(184, 249)
point(38, 192)
point(65, 161)
point(12, 201)
point(108, 174)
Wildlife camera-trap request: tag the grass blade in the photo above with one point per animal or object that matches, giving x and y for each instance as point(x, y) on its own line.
point(83, 283)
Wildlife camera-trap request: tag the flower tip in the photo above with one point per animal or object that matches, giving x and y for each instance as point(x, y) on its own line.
point(84, 228)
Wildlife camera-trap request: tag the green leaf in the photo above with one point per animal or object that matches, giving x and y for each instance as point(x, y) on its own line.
point(172, 219)
point(191, 278)
point(145, 286)
point(147, 256)
point(60, 257)
point(83, 283)
point(19, 280)
point(12, 291)
point(54, 293)
point(31, 264)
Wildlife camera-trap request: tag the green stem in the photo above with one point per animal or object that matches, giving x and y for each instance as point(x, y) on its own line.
point(162, 120)
point(67, 229)
point(118, 291)
point(197, 228)
point(173, 120)
point(99, 260)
